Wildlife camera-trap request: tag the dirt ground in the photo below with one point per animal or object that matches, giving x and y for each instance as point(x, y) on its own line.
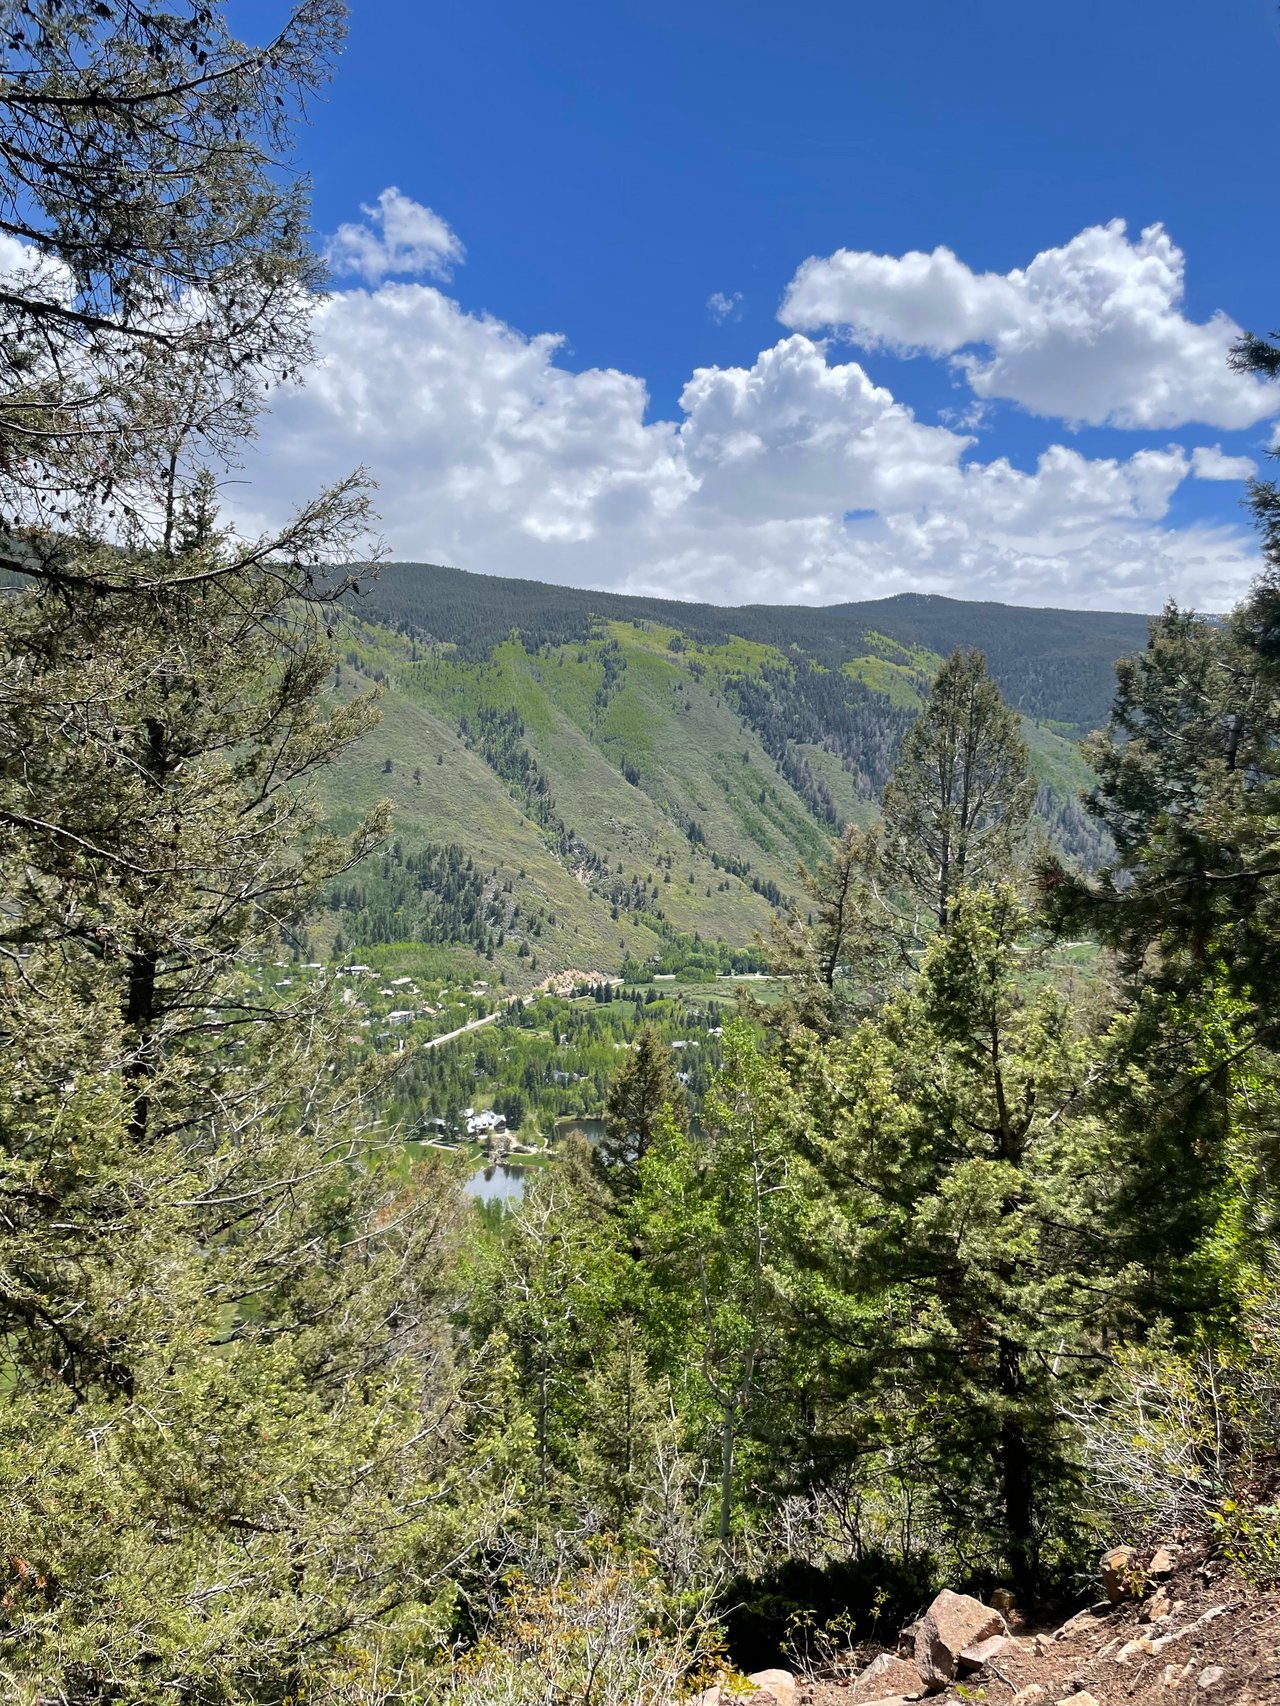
point(1210, 1638)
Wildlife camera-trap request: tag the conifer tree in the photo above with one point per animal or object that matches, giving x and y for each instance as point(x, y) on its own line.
point(233, 1434)
point(836, 959)
point(644, 1091)
point(552, 1284)
point(626, 1420)
point(963, 1240)
point(959, 798)
point(1189, 768)
point(716, 1215)
point(1190, 902)
point(158, 273)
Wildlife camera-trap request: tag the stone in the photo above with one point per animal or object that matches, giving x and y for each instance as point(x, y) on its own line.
point(1210, 1677)
point(1116, 1566)
point(981, 1653)
point(1027, 1696)
point(1003, 1600)
point(886, 1674)
point(953, 1622)
point(1082, 1621)
point(1157, 1608)
point(1083, 1698)
point(779, 1683)
point(1164, 1561)
point(1141, 1648)
point(1188, 1629)
point(1172, 1675)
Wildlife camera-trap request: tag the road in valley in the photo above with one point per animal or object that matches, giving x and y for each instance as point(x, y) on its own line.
point(471, 1025)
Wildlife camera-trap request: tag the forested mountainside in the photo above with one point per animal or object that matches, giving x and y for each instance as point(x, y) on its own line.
point(1052, 665)
point(581, 777)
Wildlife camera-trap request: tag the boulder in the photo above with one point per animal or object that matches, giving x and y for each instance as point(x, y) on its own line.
point(1082, 1622)
point(981, 1653)
point(953, 1622)
point(1116, 1566)
point(778, 1683)
point(886, 1674)
point(1164, 1561)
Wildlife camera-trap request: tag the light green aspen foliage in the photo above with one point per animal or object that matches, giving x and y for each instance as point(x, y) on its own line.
point(717, 1211)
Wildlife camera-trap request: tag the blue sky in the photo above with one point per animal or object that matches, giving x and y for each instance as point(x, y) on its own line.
point(603, 174)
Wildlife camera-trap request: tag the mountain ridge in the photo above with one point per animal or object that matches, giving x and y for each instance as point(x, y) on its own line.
point(586, 778)
point(474, 611)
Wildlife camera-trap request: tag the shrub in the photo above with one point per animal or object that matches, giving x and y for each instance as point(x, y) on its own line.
point(1188, 1438)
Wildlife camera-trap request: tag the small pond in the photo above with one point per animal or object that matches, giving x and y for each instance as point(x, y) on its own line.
point(589, 1126)
point(506, 1181)
point(502, 1183)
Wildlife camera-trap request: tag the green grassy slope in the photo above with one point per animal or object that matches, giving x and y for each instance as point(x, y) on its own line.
point(594, 786)
point(1054, 665)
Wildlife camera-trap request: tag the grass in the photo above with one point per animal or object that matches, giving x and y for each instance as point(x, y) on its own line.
point(637, 735)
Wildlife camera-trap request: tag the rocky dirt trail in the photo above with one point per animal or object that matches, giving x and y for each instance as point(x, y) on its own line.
point(1176, 1628)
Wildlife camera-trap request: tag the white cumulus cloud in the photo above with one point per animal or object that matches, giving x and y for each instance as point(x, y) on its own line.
point(1091, 332)
point(1211, 462)
point(794, 478)
point(794, 435)
point(399, 235)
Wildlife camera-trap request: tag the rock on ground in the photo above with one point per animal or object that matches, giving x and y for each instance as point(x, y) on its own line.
point(953, 1622)
point(1116, 1567)
point(779, 1684)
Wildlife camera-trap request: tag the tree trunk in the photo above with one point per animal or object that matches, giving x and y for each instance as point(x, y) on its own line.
point(728, 1427)
point(139, 1016)
point(1016, 1477)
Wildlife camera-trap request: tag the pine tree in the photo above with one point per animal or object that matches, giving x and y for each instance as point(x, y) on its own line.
point(552, 1284)
point(644, 1091)
point(966, 1256)
point(1190, 902)
point(1187, 787)
point(233, 1434)
point(626, 1418)
point(959, 798)
point(165, 273)
point(835, 957)
point(1189, 769)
